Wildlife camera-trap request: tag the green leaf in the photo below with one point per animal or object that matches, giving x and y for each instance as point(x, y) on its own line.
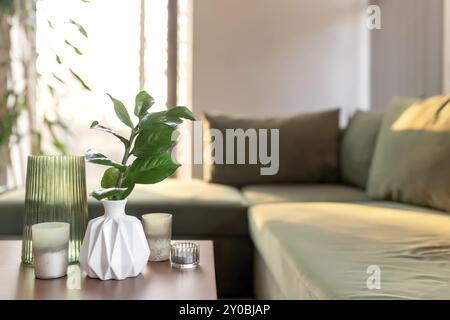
point(59, 123)
point(98, 158)
point(80, 27)
point(57, 143)
point(151, 170)
point(121, 112)
point(110, 177)
point(181, 112)
point(78, 51)
point(156, 139)
point(110, 193)
point(58, 78)
point(61, 147)
point(8, 120)
point(153, 118)
point(172, 117)
point(51, 90)
point(143, 102)
point(97, 126)
point(58, 58)
point(129, 185)
point(80, 80)
point(128, 191)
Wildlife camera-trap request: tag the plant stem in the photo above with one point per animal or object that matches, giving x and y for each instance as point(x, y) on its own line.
point(126, 156)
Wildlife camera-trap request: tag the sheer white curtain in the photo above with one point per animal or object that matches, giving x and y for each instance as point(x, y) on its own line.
point(110, 63)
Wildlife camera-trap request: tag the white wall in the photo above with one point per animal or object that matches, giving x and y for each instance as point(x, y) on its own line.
point(446, 56)
point(279, 57)
point(269, 57)
point(406, 54)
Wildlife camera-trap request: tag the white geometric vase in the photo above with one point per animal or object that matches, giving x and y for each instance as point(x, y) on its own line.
point(115, 246)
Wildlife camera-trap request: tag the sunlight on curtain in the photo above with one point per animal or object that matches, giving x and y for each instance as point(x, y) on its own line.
point(156, 16)
point(184, 84)
point(109, 63)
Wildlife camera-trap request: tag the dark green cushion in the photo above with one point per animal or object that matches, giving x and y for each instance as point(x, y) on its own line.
point(308, 150)
point(412, 157)
point(357, 146)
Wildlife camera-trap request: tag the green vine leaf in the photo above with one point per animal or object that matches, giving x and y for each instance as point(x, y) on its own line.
point(80, 80)
point(80, 28)
point(57, 143)
point(78, 51)
point(51, 90)
point(121, 112)
point(58, 78)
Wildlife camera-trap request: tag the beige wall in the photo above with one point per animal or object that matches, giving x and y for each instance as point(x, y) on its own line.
point(407, 53)
point(279, 57)
point(446, 56)
point(269, 57)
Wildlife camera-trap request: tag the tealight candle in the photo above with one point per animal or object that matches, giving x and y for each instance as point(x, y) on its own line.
point(50, 249)
point(185, 255)
point(158, 230)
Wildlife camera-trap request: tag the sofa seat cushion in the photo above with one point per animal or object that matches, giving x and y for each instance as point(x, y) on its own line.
point(324, 250)
point(259, 194)
point(199, 208)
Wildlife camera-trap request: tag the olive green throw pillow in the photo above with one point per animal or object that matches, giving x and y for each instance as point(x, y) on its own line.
point(411, 163)
point(358, 145)
point(308, 149)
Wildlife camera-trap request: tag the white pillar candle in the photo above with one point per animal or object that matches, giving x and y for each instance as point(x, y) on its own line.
point(50, 249)
point(158, 230)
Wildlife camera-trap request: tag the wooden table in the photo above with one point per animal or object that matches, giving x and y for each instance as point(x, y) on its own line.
point(158, 281)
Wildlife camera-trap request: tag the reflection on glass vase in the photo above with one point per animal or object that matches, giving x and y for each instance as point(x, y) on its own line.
point(55, 191)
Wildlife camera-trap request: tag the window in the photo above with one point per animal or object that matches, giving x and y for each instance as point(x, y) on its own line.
point(112, 61)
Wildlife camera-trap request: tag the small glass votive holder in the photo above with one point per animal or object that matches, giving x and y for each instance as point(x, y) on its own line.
point(50, 241)
point(158, 230)
point(184, 255)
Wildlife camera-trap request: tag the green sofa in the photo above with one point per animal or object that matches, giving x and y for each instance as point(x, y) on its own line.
point(303, 240)
point(202, 210)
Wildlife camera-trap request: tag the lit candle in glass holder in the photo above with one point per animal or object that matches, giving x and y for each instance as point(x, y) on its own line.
point(158, 230)
point(50, 249)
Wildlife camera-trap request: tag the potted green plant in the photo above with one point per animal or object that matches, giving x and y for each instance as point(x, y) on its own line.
point(115, 246)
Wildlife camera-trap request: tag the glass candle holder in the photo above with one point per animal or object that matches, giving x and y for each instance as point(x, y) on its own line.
point(158, 230)
point(184, 255)
point(50, 249)
point(55, 191)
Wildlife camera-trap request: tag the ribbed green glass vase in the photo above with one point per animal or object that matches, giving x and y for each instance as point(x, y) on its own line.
point(55, 191)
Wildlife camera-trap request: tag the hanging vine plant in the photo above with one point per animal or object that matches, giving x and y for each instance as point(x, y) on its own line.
point(61, 72)
point(12, 102)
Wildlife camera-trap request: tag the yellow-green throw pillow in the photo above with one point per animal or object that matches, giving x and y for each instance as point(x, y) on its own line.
point(411, 163)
